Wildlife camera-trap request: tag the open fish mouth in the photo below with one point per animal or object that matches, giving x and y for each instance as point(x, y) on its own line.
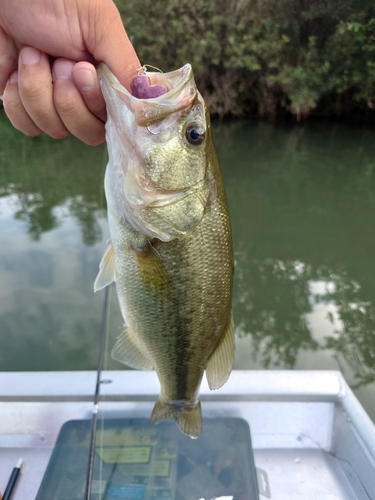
point(181, 94)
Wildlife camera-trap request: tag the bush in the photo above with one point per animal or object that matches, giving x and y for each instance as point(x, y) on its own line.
point(263, 56)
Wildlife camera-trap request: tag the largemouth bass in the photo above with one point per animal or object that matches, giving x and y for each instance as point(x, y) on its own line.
point(170, 251)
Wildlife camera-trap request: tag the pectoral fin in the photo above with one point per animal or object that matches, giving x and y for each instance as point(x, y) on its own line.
point(128, 351)
point(106, 269)
point(220, 363)
point(151, 269)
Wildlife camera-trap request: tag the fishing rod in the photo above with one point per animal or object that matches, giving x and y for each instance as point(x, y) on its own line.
point(95, 413)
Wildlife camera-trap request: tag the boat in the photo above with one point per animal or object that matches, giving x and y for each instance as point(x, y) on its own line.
point(310, 436)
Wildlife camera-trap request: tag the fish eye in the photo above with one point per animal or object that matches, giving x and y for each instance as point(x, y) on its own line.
point(193, 135)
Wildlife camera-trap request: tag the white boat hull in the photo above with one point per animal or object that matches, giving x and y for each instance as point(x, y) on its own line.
point(311, 437)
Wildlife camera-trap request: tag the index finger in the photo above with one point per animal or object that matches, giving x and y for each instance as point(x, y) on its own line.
point(8, 59)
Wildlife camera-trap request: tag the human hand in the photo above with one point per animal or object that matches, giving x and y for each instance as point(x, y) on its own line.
point(48, 49)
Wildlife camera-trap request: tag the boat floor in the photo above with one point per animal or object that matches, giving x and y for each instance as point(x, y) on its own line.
point(311, 437)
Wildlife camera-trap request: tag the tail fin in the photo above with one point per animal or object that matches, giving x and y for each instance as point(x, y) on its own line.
point(188, 420)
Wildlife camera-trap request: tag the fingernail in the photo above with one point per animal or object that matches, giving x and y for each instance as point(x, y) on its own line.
point(84, 79)
point(29, 55)
point(13, 77)
point(63, 70)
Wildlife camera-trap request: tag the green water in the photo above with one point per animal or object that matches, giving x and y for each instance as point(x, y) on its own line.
point(302, 203)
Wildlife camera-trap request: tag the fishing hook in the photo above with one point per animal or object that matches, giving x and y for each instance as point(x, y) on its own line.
point(143, 69)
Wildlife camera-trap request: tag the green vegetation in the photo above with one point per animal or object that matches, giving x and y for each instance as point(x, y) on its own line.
point(264, 57)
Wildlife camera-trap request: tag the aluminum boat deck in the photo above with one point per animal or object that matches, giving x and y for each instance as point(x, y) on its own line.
point(311, 437)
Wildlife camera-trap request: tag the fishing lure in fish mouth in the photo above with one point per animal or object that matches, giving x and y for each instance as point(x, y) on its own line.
point(170, 252)
point(142, 88)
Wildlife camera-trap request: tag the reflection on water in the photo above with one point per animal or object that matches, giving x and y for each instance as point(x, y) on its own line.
point(292, 307)
point(272, 305)
point(52, 224)
point(43, 182)
point(302, 202)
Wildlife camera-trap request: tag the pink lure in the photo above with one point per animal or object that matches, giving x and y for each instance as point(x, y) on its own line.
point(141, 88)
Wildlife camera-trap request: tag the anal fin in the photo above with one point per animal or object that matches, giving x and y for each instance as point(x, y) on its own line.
point(220, 362)
point(127, 351)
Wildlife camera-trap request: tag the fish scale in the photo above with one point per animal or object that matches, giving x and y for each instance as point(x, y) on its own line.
point(171, 247)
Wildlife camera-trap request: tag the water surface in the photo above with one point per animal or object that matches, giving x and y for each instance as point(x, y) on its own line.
point(302, 203)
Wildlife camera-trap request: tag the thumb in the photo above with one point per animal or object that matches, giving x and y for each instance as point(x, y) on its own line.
point(107, 41)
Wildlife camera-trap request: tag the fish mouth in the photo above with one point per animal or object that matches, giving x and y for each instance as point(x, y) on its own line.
point(147, 111)
point(174, 80)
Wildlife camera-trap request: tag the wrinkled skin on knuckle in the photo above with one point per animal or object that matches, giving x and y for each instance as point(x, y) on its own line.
point(32, 92)
point(16, 113)
point(30, 133)
point(12, 107)
point(88, 130)
point(58, 133)
point(39, 108)
point(66, 104)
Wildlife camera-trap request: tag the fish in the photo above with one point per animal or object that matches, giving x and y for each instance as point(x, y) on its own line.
point(170, 251)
